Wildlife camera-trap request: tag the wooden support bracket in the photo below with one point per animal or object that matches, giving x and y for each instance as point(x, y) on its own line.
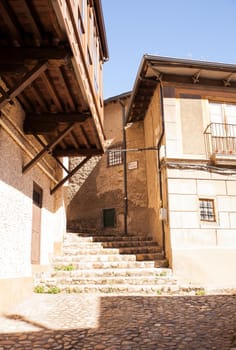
point(47, 149)
point(70, 174)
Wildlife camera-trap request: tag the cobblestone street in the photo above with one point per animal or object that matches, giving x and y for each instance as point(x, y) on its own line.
point(85, 321)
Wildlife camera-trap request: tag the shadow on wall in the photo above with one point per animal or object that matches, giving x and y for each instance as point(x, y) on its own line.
point(85, 209)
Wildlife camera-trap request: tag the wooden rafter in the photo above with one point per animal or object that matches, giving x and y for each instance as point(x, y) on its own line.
point(74, 140)
point(62, 76)
point(85, 137)
point(11, 21)
point(38, 96)
point(23, 83)
point(94, 133)
point(34, 21)
point(51, 90)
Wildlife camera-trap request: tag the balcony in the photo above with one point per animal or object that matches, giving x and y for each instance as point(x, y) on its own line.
point(220, 141)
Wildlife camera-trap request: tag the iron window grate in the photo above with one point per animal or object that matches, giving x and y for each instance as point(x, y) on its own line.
point(114, 156)
point(207, 210)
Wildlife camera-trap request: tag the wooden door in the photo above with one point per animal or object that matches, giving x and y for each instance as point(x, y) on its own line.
point(36, 224)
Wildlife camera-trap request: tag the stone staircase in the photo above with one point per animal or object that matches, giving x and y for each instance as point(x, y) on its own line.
point(104, 264)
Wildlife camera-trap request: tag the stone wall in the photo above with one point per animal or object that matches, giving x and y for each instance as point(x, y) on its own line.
point(104, 185)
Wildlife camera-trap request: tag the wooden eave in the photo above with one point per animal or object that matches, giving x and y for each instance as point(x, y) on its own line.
point(155, 70)
point(35, 65)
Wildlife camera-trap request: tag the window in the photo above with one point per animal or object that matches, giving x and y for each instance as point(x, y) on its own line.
point(114, 156)
point(109, 217)
point(207, 210)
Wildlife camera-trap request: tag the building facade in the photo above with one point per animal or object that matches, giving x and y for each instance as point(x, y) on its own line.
point(51, 104)
point(189, 113)
point(171, 171)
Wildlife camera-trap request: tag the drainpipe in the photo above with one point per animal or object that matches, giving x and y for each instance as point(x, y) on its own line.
point(125, 170)
point(159, 165)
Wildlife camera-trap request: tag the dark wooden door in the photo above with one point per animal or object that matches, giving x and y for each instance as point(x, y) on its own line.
point(36, 224)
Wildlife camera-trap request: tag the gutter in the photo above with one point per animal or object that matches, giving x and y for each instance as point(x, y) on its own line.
point(159, 167)
point(125, 170)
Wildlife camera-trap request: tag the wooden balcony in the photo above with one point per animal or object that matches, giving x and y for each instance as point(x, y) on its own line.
point(220, 142)
point(42, 64)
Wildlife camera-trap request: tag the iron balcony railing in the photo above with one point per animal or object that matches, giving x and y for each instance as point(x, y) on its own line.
point(220, 139)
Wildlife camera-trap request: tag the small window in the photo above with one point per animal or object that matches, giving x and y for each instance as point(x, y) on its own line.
point(207, 210)
point(109, 217)
point(114, 156)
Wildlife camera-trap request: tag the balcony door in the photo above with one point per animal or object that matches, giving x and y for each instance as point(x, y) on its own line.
point(223, 127)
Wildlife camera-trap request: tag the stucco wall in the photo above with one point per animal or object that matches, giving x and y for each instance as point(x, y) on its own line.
point(152, 132)
point(16, 191)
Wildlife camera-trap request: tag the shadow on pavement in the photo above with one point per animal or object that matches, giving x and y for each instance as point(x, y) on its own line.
point(134, 322)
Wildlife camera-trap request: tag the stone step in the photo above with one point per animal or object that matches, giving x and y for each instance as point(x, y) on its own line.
point(115, 244)
point(134, 272)
point(108, 263)
point(149, 256)
point(111, 264)
point(110, 251)
point(113, 238)
point(78, 258)
point(140, 250)
point(111, 280)
point(84, 245)
point(90, 251)
point(127, 244)
point(126, 289)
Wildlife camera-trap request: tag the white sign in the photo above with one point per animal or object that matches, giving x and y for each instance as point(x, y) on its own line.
point(133, 165)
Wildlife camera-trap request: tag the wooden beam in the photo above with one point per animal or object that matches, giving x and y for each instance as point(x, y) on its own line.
point(51, 90)
point(62, 76)
point(38, 96)
point(74, 139)
point(47, 122)
point(73, 152)
point(23, 83)
point(85, 137)
point(84, 161)
point(17, 55)
point(47, 149)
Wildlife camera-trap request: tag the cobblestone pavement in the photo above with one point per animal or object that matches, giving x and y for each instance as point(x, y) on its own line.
point(83, 321)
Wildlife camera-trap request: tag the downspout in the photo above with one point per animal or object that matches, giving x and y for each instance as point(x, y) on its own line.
point(125, 170)
point(159, 166)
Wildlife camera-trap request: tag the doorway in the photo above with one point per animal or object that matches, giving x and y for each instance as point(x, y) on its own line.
point(36, 224)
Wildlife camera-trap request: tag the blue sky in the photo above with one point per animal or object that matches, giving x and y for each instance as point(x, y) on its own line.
point(190, 29)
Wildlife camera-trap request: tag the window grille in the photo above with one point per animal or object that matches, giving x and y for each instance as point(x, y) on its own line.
point(114, 156)
point(207, 210)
